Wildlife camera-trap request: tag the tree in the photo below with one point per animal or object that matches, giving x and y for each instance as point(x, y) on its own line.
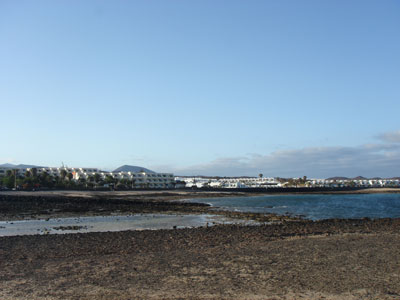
point(70, 176)
point(82, 181)
point(44, 176)
point(8, 181)
point(109, 179)
point(46, 180)
point(15, 172)
point(63, 174)
point(97, 177)
point(123, 184)
point(34, 172)
point(133, 183)
point(59, 182)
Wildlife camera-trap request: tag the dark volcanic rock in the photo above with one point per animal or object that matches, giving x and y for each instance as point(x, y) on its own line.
point(13, 207)
point(332, 259)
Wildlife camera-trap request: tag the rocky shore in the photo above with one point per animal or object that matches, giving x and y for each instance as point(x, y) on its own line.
point(288, 259)
point(25, 206)
point(20, 207)
point(334, 259)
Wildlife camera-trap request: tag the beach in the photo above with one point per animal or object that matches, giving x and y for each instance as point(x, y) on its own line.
point(289, 259)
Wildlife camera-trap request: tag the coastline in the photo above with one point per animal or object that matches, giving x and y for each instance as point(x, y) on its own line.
point(288, 259)
point(332, 259)
point(175, 194)
point(16, 206)
point(33, 205)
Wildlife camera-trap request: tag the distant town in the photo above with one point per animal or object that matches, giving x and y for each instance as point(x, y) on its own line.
point(271, 182)
point(26, 177)
point(126, 177)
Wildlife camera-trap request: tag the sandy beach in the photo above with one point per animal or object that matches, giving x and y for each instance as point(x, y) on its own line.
point(291, 259)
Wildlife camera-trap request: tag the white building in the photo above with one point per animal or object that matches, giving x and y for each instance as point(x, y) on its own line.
point(20, 172)
point(147, 180)
point(231, 182)
point(135, 179)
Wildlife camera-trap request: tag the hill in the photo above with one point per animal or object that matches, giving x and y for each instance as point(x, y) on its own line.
point(338, 178)
point(20, 166)
point(128, 168)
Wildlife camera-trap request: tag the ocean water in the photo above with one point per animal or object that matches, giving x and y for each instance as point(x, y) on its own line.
point(315, 206)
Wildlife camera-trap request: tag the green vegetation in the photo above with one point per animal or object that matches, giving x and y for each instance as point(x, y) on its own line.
point(33, 180)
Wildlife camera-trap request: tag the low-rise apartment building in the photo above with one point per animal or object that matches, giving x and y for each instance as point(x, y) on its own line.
point(132, 179)
point(228, 182)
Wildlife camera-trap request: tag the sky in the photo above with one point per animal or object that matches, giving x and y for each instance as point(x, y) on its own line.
point(283, 88)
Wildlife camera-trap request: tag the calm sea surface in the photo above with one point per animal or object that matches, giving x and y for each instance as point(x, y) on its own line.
point(312, 207)
point(315, 207)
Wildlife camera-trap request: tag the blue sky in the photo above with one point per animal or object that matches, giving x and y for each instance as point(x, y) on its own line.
point(285, 88)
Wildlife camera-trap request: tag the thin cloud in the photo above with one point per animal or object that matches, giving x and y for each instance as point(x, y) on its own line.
point(7, 161)
point(367, 160)
point(390, 137)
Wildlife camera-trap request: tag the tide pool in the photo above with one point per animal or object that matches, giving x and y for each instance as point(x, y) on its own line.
point(113, 223)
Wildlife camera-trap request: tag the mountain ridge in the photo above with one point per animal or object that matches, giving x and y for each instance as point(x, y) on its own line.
point(20, 166)
point(135, 169)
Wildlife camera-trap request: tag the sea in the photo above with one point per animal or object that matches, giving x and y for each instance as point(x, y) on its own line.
point(314, 206)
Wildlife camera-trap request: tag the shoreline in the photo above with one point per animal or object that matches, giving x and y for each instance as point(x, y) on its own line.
point(331, 259)
point(344, 259)
point(35, 206)
point(170, 194)
point(29, 205)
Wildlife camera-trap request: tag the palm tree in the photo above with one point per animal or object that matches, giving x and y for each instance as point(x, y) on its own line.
point(109, 179)
point(70, 176)
point(89, 181)
point(82, 181)
point(34, 172)
point(15, 172)
point(133, 182)
point(44, 178)
point(97, 177)
point(63, 174)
